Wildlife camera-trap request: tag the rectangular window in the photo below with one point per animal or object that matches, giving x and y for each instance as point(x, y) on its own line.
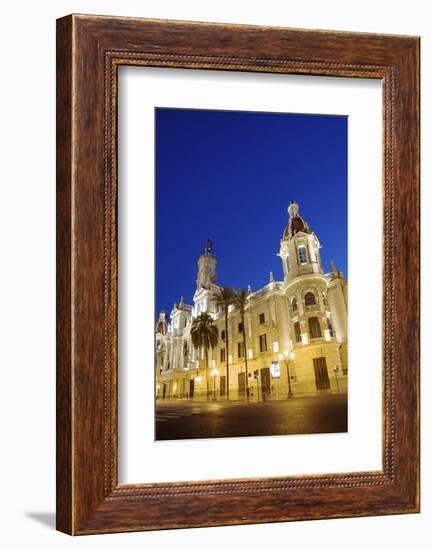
point(314, 327)
point(262, 342)
point(223, 335)
point(321, 373)
point(275, 347)
point(261, 318)
point(302, 254)
point(241, 349)
point(222, 355)
point(240, 327)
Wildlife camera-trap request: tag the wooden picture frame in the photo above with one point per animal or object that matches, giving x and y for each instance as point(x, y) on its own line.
point(89, 51)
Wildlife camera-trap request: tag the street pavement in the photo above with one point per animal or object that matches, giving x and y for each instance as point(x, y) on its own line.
point(185, 419)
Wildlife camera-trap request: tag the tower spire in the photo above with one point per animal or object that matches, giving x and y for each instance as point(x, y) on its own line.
point(208, 248)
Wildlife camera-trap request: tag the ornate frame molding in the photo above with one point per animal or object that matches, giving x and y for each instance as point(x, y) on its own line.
point(90, 49)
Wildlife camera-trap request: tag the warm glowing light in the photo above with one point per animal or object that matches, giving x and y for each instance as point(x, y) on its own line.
point(292, 355)
point(275, 346)
point(280, 356)
point(214, 372)
point(198, 379)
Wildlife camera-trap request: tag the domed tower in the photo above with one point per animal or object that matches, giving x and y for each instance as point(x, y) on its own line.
point(207, 264)
point(162, 324)
point(299, 247)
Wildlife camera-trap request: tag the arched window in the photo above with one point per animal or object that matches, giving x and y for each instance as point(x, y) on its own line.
point(310, 299)
point(297, 328)
point(314, 327)
point(294, 305)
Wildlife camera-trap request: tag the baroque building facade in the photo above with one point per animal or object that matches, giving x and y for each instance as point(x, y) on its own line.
point(296, 336)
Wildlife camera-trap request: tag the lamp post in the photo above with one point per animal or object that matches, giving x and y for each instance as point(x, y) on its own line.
point(292, 357)
point(214, 373)
point(336, 369)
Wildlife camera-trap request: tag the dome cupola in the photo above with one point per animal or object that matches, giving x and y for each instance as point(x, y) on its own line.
point(296, 223)
point(162, 324)
point(299, 247)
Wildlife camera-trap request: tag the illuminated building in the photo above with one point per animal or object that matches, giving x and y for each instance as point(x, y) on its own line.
point(296, 330)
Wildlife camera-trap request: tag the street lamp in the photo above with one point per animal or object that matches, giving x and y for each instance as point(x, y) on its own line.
point(292, 357)
point(214, 373)
point(336, 369)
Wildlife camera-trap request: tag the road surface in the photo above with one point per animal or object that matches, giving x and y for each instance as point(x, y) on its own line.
point(183, 419)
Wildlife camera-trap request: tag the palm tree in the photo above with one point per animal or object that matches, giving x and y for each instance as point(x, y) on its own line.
point(224, 297)
point(241, 301)
point(204, 334)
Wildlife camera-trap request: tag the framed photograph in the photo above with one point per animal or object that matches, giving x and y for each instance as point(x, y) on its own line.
point(237, 274)
point(233, 348)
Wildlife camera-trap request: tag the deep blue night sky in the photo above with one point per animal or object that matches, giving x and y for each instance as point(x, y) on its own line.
point(229, 176)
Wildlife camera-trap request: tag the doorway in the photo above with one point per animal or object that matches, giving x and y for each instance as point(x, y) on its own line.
point(241, 384)
point(321, 373)
point(265, 382)
point(222, 386)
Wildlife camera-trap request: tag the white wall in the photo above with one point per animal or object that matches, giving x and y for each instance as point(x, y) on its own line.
point(27, 218)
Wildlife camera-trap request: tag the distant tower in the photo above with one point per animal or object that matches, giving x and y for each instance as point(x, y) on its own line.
point(207, 274)
point(162, 324)
point(299, 247)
